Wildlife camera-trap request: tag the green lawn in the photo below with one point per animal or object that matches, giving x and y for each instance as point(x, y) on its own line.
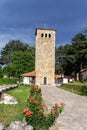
point(9, 113)
point(76, 87)
point(78, 83)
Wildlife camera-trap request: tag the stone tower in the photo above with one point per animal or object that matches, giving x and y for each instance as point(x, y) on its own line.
point(45, 56)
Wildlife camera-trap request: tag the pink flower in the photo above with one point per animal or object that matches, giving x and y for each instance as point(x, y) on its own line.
point(53, 111)
point(25, 110)
point(62, 104)
point(56, 105)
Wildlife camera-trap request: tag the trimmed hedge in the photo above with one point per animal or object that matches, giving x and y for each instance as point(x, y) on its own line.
point(79, 88)
point(8, 81)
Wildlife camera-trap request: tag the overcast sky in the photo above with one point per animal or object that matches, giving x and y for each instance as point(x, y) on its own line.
point(20, 18)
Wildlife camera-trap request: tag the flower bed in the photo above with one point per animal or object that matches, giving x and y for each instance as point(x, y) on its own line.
point(34, 113)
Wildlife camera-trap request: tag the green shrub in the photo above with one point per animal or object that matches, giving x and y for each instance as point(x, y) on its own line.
point(8, 81)
point(72, 87)
point(34, 114)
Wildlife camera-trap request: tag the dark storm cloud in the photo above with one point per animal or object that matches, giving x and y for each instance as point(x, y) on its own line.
point(19, 18)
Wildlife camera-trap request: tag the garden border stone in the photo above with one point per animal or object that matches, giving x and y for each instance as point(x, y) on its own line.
point(16, 125)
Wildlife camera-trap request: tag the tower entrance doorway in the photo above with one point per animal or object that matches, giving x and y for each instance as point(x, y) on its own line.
point(45, 80)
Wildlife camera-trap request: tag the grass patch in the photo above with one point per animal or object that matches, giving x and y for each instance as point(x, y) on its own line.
point(77, 88)
point(9, 113)
point(78, 83)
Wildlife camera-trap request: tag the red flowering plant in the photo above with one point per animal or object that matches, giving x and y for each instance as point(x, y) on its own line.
point(34, 114)
point(54, 113)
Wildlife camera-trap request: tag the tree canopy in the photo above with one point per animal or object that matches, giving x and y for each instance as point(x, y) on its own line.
point(19, 57)
point(23, 62)
point(1, 72)
point(10, 47)
point(73, 57)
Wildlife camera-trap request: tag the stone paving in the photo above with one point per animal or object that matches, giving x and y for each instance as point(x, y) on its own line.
point(74, 115)
point(6, 98)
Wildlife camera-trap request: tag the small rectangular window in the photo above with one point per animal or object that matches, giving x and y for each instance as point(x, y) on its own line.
point(46, 35)
point(42, 35)
point(49, 35)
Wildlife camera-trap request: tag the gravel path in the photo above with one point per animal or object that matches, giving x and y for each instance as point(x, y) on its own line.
point(74, 116)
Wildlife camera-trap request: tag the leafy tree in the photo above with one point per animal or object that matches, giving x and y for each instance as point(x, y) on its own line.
point(73, 57)
point(58, 69)
point(10, 47)
point(9, 71)
point(19, 57)
point(1, 72)
point(80, 52)
point(79, 37)
point(84, 32)
point(65, 59)
point(23, 62)
point(31, 50)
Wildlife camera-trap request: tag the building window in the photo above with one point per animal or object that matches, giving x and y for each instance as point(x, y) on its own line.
point(49, 35)
point(30, 79)
point(42, 35)
point(46, 35)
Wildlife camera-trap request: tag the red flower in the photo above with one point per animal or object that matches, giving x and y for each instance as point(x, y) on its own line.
point(25, 110)
point(62, 104)
point(53, 112)
point(36, 102)
point(28, 113)
point(56, 105)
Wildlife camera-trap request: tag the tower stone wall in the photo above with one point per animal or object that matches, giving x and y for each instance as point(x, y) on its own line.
point(45, 56)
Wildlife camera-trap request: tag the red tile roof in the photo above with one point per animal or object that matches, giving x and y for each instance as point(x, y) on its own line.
point(57, 76)
point(31, 74)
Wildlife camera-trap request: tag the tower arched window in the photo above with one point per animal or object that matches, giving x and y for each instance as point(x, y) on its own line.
point(46, 35)
point(49, 35)
point(42, 35)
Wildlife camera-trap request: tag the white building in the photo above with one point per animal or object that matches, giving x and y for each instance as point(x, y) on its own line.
point(30, 78)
